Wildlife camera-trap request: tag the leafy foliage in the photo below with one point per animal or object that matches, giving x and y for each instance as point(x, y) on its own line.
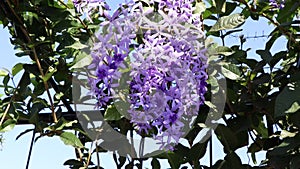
point(262, 111)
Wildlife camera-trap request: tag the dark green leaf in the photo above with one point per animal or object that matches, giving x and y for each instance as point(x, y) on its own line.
point(288, 100)
point(197, 151)
point(73, 162)
point(227, 138)
point(265, 55)
point(155, 164)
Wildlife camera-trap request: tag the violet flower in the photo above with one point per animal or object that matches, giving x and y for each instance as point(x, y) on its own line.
point(277, 3)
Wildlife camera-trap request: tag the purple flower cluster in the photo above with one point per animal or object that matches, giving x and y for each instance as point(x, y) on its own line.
point(108, 55)
point(168, 69)
point(85, 7)
point(169, 78)
point(277, 3)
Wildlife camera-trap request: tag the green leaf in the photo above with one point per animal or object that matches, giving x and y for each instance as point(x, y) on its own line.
point(228, 22)
point(265, 55)
point(220, 5)
point(62, 123)
point(227, 138)
point(231, 71)
point(73, 163)
point(112, 113)
point(223, 50)
point(17, 68)
point(233, 160)
point(49, 74)
point(82, 60)
point(288, 12)
point(288, 100)
point(70, 139)
point(155, 164)
point(7, 125)
point(174, 159)
point(77, 45)
point(3, 72)
point(197, 151)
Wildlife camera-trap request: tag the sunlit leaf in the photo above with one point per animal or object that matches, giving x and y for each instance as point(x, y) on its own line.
point(228, 22)
point(70, 139)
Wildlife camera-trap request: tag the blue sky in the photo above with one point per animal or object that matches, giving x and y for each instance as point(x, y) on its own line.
point(51, 153)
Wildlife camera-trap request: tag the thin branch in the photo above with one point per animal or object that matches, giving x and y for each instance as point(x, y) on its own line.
point(23, 29)
point(5, 112)
point(210, 150)
point(116, 160)
point(97, 154)
point(90, 155)
point(30, 149)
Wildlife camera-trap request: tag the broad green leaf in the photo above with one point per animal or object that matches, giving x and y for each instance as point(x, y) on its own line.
point(70, 139)
point(227, 138)
point(174, 159)
point(228, 22)
point(288, 100)
point(265, 55)
point(17, 68)
point(222, 50)
point(231, 71)
point(197, 151)
point(233, 161)
point(112, 113)
point(7, 125)
point(82, 60)
point(155, 164)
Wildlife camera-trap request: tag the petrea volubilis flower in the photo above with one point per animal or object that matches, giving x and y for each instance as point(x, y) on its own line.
point(277, 3)
point(167, 70)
